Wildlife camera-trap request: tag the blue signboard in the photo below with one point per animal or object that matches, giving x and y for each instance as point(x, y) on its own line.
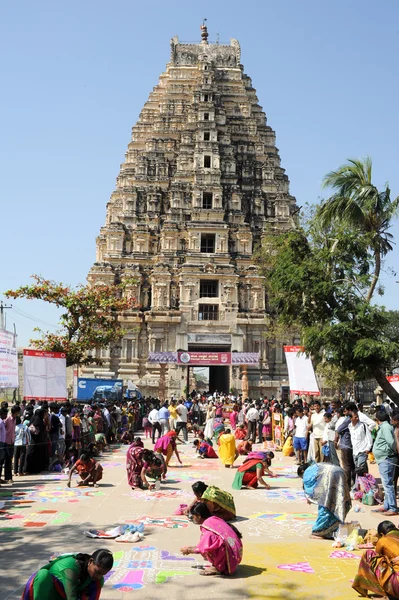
point(100, 390)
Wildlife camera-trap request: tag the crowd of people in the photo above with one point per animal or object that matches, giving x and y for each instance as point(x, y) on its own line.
point(332, 444)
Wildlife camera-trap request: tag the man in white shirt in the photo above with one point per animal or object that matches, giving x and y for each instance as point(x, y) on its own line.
point(181, 421)
point(301, 436)
point(252, 417)
point(317, 425)
point(153, 418)
point(360, 429)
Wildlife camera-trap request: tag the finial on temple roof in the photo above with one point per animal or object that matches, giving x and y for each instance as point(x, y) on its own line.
point(204, 32)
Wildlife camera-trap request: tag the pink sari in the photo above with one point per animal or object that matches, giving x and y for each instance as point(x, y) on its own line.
point(162, 443)
point(233, 419)
point(220, 545)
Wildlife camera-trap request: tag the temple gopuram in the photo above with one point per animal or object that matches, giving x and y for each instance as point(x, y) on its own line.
point(200, 184)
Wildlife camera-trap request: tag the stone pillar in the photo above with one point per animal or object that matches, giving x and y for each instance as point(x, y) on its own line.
point(162, 383)
point(244, 382)
point(378, 395)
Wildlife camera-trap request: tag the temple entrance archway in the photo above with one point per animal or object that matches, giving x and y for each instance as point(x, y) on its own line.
point(219, 379)
point(217, 375)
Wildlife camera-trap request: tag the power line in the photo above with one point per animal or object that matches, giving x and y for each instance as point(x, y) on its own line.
point(32, 318)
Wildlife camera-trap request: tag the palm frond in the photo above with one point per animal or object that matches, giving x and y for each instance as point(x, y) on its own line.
point(341, 208)
point(348, 178)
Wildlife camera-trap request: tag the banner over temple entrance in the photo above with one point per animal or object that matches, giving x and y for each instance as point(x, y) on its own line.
point(205, 358)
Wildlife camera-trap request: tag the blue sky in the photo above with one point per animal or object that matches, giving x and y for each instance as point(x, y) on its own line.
point(76, 74)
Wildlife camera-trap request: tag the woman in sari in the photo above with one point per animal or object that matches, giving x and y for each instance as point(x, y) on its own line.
point(37, 456)
point(220, 503)
point(70, 577)
point(220, 543)
point(266, 426)
point(250, 474)
point(218, 429)
point(210, 419)
point(241, 432)
point(234, 417)
point(166, 445)
point(379, 569)
point(138, 460)
point(227, 449)
point(204, 449)
point(244, 447)
point(326, 485)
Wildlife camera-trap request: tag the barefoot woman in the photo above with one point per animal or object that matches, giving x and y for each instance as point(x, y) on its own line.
point(220, 543)
point(90, 471)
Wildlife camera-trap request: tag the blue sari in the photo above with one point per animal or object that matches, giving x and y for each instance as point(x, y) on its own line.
point(325, 485)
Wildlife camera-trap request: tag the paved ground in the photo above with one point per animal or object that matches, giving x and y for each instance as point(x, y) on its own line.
point(41, 516)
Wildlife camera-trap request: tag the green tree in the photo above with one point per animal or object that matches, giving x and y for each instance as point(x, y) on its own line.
point(89, 321)
point(358, 203)
point(320, 277)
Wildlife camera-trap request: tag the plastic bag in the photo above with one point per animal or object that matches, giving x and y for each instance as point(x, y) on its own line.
point(353, 540)
point(368, 498)
point(288, 448)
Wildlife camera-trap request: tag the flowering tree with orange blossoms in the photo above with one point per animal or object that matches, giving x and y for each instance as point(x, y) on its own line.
point(90, 319)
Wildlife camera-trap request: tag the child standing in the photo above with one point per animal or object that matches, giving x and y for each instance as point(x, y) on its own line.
point(76, 424)
point(147, 427)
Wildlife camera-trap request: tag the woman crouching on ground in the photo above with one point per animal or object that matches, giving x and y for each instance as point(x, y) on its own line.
point(250, 474)
point(379, 569)
point(138, 461)
point(220, 503)
point(166, 445)
point(70, 576)
point(89, 470)
point(220, 543)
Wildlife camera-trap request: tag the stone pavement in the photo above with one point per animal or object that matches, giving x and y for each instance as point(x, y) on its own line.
point(41, 516)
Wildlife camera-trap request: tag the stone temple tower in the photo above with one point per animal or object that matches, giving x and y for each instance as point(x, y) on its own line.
point(200, 183)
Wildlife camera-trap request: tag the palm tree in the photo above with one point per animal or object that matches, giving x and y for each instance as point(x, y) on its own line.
point(361, 205)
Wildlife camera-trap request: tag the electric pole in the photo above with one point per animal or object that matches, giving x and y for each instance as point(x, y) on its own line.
point(3, 307)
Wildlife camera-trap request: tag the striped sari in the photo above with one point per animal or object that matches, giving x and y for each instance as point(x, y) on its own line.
point(325, 485)
point(379, 569)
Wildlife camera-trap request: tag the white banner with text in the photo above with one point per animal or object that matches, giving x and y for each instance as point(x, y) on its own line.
point(8, 360)
point(300, 372)
point(45, 375)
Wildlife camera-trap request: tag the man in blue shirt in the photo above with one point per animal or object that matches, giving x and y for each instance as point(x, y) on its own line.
point(163, 417)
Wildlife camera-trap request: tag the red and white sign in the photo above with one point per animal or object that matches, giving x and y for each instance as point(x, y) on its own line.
point(204, 358)
point(394, 381)
point(300, 372)
point(45, 375)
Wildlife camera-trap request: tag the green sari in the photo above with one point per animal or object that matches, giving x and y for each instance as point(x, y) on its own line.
point(222, 502)
point(60, 579)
